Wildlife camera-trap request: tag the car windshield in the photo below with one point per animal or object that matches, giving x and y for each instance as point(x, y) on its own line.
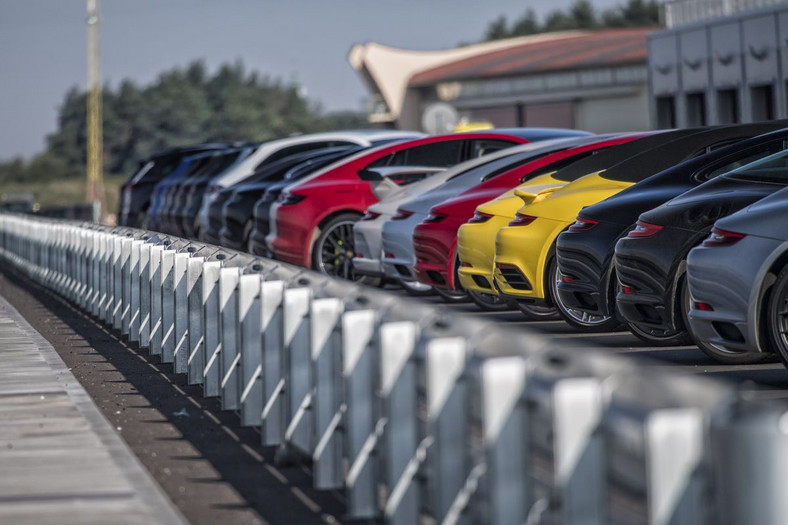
point(773, 168)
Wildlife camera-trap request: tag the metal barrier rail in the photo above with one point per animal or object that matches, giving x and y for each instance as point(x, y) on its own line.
point(418, 415)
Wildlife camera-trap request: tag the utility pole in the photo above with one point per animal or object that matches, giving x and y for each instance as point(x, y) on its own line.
point(95, 175)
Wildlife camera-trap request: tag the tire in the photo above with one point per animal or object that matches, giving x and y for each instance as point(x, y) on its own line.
point(417, 289)
point(333, 251)
point(246, 235)
point(458, 295)
point(777, 317)
point(537, 312)
point(491, 302)
point(658, 337)
point(577, 318)
point(452, 296)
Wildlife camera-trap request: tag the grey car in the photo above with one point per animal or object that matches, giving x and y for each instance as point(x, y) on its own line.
point(738, 281)
point(413, 206)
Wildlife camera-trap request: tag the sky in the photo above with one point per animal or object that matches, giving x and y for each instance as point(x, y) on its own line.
point(43, 45)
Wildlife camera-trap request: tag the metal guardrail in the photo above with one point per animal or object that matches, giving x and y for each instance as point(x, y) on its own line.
point(419, 415)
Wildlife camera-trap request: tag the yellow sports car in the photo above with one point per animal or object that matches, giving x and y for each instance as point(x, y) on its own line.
point(525, 266)
point(476, 238)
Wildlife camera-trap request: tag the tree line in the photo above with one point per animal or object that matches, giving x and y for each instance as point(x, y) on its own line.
point(580, 15)
point(182, 106)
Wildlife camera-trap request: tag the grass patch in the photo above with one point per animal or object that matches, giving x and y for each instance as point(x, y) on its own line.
point(66, 192)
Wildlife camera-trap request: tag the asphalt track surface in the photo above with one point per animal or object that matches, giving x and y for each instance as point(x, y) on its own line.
point(214, 470)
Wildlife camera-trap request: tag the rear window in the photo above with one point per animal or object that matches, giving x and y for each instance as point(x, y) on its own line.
point(772, 169)
point(733, 162)
point(559, 165)
point(436, 155)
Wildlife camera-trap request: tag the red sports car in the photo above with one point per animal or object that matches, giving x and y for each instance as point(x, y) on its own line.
point(435, 239)
point(313, 219)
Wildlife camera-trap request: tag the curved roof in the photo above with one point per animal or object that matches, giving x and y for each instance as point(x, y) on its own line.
point(390, 71)
point(574, 51)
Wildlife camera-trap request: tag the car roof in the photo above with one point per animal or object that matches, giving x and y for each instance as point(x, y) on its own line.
point(531, 134)
point(663, 156)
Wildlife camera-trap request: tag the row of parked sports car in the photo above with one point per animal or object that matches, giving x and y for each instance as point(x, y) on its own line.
point(679, 236)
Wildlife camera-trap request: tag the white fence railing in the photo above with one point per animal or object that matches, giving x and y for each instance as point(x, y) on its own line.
point(419, 416)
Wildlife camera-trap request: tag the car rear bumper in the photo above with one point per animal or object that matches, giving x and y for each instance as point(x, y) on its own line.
point(734, 322)
point(397, 242)
point(476, 252)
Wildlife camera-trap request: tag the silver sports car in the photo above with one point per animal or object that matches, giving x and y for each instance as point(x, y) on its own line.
point(738, 281)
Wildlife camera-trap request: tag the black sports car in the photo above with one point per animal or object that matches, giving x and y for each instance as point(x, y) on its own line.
point(188, 207)
point(135, 193)
point(586, 291)
point(234, 205)
point(650, 262)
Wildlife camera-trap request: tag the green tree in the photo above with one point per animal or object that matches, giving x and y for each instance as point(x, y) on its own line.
point(526, 25)
point(182, 106)
point(580, 15)
point(497, 29)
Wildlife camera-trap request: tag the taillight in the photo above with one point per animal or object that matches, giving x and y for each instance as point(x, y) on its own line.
point(287, 199)
point(401, 215)
point(479, 217)
point(644, 229)
point(703, 307)
point(583, 224)
point(435, 217)
point(720, 237)
point(370, 216)
point(520, 219)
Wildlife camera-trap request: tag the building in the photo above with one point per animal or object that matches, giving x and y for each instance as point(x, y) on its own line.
point(719, 62)
point(593, 80)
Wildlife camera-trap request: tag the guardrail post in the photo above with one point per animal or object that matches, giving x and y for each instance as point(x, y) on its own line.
point(135, 270)
point(363, 428)
point(328, 406)
point(145, 295)
point(272, 315)
point(403, 451)
point(656, 463)
point(95, 271)
point(180, 351)
point(212, 324)
point(446, 420)
point(168, 305)
point(503, 498)
point(750, 459)
point(229, 356)
point(196, 336)
point(250, 315)
point(296, 369)
point(125, 285)
point(157, 279)
point(117, 283)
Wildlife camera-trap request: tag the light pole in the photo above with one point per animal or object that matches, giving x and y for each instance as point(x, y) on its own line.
point(95, 175)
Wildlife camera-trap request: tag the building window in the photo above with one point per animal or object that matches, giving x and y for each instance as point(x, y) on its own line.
point(762, 103)
point(696, 109)
point(666, 112)
point(728, 106)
